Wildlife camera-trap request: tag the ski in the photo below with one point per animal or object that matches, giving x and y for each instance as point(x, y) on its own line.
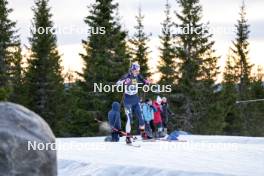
point(125, 134)
point(134, 145)
point(179, 140)
point(148, 140)
point(162, 139)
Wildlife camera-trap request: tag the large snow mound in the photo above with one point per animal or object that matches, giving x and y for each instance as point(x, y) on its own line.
point(199, 156)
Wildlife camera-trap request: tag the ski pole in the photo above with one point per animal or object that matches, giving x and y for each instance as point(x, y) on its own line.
point(116, 130)
point(124, 133)
point(249, 101)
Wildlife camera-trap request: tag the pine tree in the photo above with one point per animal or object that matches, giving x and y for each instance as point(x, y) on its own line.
point(230, 72)
point(241, 51)
point(140, 50)
point(212, 120)
point(43, 78)
point(257, 108)
point(106, 60)
point(71, 125)
point(229, 97)
point(243, 67)
point(167, 66)
point(242, 118)
point(17, 76)
point(198, 70)
point(8, 40)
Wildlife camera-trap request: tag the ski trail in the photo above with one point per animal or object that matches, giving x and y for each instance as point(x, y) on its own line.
point(201, 155)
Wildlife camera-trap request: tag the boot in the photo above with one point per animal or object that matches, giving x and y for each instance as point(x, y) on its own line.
point(165, 131)
point(143, 134)
point(155, 135)
point(128, 139)
point(161, 134)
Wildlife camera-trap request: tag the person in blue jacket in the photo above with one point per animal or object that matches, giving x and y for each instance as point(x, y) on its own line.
point(148, 114)
point(115, 121)
point(131, 81)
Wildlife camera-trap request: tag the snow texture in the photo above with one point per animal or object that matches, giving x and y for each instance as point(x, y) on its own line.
point(200, 156)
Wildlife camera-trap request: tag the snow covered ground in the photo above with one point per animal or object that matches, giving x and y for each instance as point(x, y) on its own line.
point(201, 155)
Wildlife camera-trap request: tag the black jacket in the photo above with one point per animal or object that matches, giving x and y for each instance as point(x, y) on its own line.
point(166, 112)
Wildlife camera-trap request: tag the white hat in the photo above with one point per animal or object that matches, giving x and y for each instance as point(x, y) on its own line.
point(159, 100)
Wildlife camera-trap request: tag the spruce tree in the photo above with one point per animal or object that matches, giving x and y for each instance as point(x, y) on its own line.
point(257, 108)
point(140, 50)
point(240, 51)
point(197, 70)
point(43, 78)
point(8, 41)
point(105, 60)
point(167, 66)
point(229, 96)
point(212, 119)
point(71, 125)
point(242, 118)
point(17, 77)
point(230, 77)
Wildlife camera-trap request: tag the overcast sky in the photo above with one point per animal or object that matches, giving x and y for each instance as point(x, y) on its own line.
point(221, 15)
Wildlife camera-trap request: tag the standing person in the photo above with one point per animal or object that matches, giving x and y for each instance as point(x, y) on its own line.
point(148, 113)
point(132, 100)
point(166, 114)
point(157, 117)
point(115, 121)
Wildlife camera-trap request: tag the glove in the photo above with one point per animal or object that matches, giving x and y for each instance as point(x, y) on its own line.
point(127, 81)
point(120, 133)
point(147, 81)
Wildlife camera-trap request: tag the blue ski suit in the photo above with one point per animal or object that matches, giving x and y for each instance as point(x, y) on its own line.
point(131, 98)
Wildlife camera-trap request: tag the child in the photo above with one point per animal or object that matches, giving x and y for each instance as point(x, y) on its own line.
point(157, 117)
point(115, 121)
point(148, 115)
point(166, 113)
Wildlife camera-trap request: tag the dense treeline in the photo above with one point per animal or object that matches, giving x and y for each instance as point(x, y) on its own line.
point(188, 62)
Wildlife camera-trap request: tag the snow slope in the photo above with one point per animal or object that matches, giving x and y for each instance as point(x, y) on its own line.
point(200, 156)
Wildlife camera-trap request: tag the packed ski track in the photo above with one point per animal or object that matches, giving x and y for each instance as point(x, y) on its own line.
point(199, 156)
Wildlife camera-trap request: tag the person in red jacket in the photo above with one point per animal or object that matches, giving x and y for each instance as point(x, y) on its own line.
point(157, 118)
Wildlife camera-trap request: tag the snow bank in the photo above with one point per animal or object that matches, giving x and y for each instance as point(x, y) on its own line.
point(201, 155)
